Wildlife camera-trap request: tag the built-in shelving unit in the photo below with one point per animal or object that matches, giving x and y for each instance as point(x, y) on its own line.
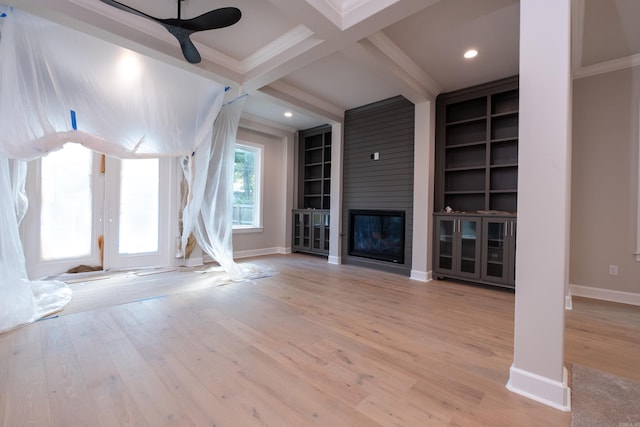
point(315, 168)
point(477, 148)
point(477, 179)
point(311, 219)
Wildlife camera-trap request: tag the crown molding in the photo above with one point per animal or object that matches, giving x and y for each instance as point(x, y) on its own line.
point(346, 13)
point(607, 66)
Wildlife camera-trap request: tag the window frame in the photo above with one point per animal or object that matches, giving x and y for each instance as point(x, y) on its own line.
point(259, 173)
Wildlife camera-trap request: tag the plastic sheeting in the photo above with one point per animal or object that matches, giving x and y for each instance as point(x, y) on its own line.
point(21, 301)
point(210, 214)
point(58, 85)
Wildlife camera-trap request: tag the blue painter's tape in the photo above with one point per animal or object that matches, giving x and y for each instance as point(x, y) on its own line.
point(74, 124)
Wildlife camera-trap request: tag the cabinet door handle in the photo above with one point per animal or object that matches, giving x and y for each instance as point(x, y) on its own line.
point(506, 228)
point(512, 228)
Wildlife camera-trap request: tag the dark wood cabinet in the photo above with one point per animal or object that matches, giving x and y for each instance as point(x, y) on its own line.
point(311, 231)
point(476, 183)
point(314, 168)
point(499, 250)
point(311, 219)
point(458, 246)
point(477, 148)
point(478, 248)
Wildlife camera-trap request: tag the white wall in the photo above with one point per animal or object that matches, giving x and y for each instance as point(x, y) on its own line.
point(277, 196)
point(604, 183)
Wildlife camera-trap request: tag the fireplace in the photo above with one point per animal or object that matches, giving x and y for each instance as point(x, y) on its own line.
point(377, 234)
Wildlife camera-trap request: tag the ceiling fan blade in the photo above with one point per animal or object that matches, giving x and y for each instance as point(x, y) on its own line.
point(218, 18)
point(183, 28)
point(189, 50)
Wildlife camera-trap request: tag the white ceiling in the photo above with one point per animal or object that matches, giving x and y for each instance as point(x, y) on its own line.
point(318, 58)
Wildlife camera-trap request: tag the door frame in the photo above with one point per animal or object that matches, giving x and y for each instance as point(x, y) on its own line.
point(168, 221)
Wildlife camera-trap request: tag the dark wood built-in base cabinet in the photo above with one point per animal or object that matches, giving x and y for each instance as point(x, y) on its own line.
point(477, 248)
point(311, 220)
point(476, 186)
point(311, 231)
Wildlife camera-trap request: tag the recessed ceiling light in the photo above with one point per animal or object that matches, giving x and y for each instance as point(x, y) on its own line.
point(471, 53)
point(288, 114)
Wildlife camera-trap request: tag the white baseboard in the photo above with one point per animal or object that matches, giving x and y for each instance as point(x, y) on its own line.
point(259, 252)
point(604, 294)
point(568, 302)
point(421, 276)
point(541, 389)
point(334, 260)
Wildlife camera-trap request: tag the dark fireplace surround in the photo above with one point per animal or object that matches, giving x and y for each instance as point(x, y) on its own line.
point(377, 234)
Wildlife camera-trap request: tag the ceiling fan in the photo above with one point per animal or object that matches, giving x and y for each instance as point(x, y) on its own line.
point(183, 28)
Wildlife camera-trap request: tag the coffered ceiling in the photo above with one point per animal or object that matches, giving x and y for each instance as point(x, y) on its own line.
point(318, 58)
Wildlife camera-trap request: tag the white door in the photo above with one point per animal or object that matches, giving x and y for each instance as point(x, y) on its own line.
point(77, 198)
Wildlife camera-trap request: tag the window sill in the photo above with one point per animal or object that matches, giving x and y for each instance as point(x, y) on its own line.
point(243, 230)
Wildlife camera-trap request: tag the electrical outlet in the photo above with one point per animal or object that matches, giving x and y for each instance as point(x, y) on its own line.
point(613, 270)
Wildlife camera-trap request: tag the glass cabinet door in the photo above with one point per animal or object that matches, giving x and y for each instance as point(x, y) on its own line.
point(469, 246)
point(306, 230)
point(326, 229)
point(458, 246)
point(444, 250)
point(318, 225)
point(297, 230)
point(496, 249)
point(499, 249)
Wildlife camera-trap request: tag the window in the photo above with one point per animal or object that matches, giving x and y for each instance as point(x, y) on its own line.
point(247, 186)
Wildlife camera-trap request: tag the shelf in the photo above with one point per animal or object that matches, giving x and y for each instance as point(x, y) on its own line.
point(502, 191)
point(471, 168)
point(313, 149)
point(464, 192)
point(466, 144)
point(505, 165)
point(470, 120)
point(499, 140)
point(505, 114)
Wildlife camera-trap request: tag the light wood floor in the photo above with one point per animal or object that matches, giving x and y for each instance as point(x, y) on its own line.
point(315, 345)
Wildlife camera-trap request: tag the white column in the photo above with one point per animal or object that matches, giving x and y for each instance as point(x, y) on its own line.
point(335, 226)
point(423, 173)
point(544, 164)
